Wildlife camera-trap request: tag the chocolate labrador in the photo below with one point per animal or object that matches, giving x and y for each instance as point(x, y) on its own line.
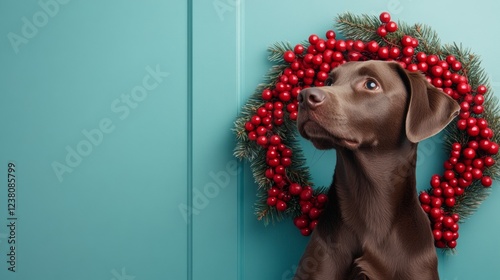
point(373, 113)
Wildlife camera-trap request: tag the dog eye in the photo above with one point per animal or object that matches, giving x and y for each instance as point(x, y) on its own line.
point(371, 84)
point(329, 81)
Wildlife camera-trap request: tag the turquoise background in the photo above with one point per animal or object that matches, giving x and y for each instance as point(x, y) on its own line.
point(121, 211)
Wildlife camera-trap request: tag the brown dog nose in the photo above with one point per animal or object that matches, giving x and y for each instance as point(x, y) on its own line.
point(311, 97)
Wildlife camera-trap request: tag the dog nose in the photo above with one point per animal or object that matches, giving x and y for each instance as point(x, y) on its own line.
point(311, 97)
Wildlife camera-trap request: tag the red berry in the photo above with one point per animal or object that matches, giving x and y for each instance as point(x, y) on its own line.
point(437, 71)
point(271, 154)
point(485, 144)
point(440, 244)
point(394, 52)
point(448, 192)
point(437, 192)
point(450, 201)
point(469, 153)
point(286, 152)
point(317, 59)
point(358, 46)
point(385, 17)
point(269, 173)
point(321, 76)
point(456, 66)
point(448, 222)
point(477, 173)
point(451, 244)
point(255, 120)
point(493, 150)
point(330, 44)
point(305, 207)
point(306, 194)
point(438, 234)
point(273, 191)
point(482, 123)
point(448, 235)
point(437, 82)
point(421, 57)
point(406, 40)
point(383, 52)
point(391, 26)
point(275, 140)
point(473, 131)
point(423, 66)
point(486, 181)
point(330, 34)
point(289, 56)
point(432, 59)
point(412, 67)
point(426, 208)
point(436, 202)
point(271, 201)
point(458, 191)
point(372, 46)
point(279, 169)
point(301, 221)
point(286, 161)
point(249, 126)
point(262, 140)
point(281, 205)
point(425, 198)
point(341, 45)
point(322, 198)
point(486, 133)
point(354, 56)
point(462, 88)
point(489, 161)
point(382, 31)
point(299, 49)
point(295, 189)
point(467, 176)
point(313, 39)
point(305, 231)
point(478, 109)
point(481, 89)
point(320, 46)
point(408, 51)
point(313, 224)
point(267, 94)
point(314, 213)
point(479, 99)
point(435, 213)
point(350, 44)
point(252, 136)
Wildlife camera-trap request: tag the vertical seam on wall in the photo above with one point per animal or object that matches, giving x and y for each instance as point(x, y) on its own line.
point(190, 139)
point(240, 178)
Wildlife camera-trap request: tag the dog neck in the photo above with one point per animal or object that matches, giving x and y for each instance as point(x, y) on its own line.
point(374, 187)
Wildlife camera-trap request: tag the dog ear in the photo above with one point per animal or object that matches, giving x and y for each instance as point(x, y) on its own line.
point(430, 110)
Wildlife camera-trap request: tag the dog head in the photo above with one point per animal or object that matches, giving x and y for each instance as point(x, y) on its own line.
point(372, 104)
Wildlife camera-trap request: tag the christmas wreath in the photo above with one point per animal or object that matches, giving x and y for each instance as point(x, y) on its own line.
point(267, 136)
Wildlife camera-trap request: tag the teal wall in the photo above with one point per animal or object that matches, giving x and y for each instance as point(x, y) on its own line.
point(117, 115)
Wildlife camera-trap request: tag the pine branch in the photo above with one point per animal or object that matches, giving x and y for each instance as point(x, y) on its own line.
point(276, 52)
point(358, 27)
point(428, 39)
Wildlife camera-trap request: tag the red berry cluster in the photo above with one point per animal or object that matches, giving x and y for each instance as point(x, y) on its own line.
point(309, 66)
point(387, 25)
point(466, 164)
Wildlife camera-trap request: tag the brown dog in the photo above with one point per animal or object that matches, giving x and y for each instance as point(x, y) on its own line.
point(373, 113)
